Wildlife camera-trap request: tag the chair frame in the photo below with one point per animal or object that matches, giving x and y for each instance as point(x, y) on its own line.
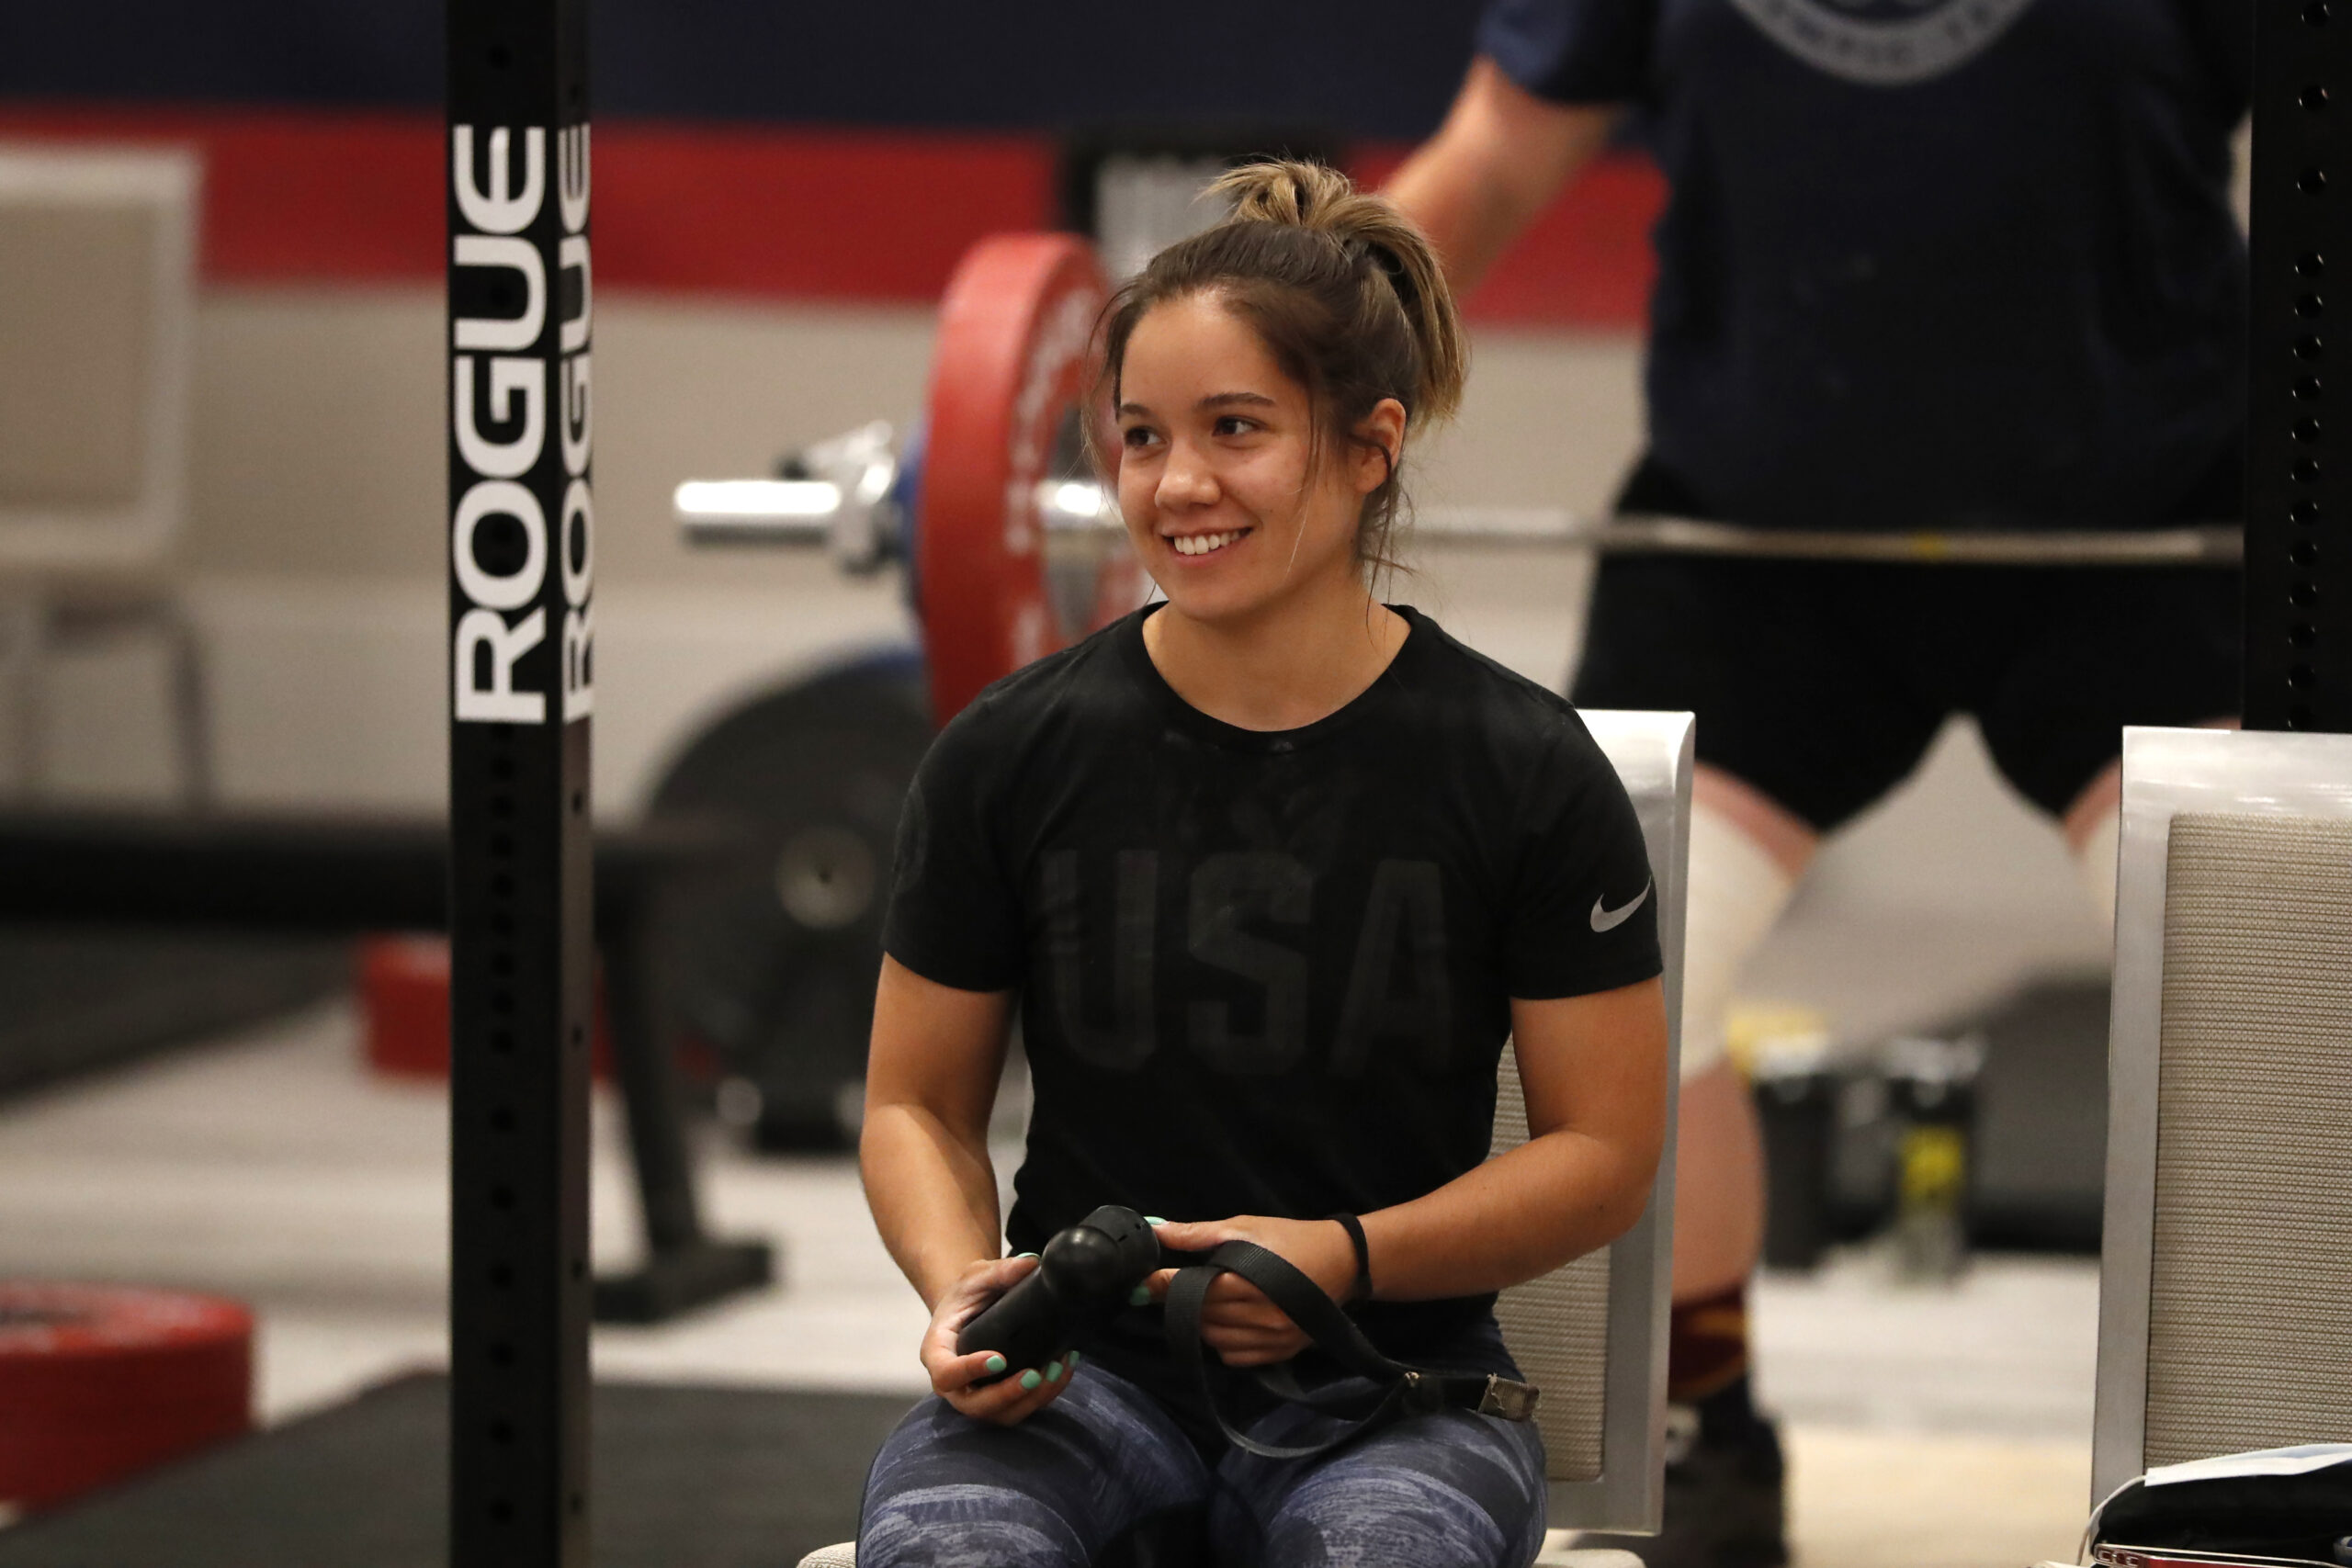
point(43, 540)
point(2167, 772)
point(1652, 756)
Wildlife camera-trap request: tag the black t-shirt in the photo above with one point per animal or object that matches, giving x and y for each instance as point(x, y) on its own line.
point(1928, 262)
point(1267, 973)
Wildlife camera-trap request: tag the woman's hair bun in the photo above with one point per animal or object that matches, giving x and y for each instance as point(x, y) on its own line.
point(1320, 199)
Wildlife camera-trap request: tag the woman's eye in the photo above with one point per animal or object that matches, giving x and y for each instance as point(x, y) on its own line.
point(1137, 435)
point(1234, 425)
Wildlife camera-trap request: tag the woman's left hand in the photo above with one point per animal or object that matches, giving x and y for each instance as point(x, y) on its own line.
point(1237, 1320)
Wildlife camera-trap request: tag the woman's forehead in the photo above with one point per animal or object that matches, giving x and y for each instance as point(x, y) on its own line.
point(1185, 351)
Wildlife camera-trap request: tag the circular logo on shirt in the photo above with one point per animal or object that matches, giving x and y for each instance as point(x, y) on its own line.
point(1883, 43)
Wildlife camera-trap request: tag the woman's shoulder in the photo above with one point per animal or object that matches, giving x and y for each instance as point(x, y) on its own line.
point(1504, 706)
point(1067, 687)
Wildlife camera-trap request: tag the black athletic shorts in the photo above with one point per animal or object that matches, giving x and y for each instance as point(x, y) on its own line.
point(1822, 682)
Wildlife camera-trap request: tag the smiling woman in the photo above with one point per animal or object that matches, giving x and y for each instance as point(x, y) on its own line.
point(1271, 871)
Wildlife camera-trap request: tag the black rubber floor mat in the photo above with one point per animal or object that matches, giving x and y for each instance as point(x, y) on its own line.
point(682, 1477)
point(73, 1001)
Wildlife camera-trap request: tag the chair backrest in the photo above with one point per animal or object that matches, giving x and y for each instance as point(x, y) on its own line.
point(1592, 1335)
point(2226, 1290)
point(97, 257)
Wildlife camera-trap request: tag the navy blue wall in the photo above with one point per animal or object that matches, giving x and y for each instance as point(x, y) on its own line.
point(1383, 69)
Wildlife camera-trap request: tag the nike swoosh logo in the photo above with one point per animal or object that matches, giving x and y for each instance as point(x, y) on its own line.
point(1609, 920)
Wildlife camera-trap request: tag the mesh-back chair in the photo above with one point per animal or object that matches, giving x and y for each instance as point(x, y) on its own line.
point(1592, 1335)
point(97, 266)
point(2225, 1292)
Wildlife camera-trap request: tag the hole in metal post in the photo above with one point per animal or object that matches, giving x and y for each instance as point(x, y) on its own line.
point(2305, 512)
point(2309, 305)
point(2306, 388)
point(2309, 346)
point(2306, 471)
point(2314, 98)
point(2305, 431)
point(2311, 182)
point(2302, 633)
point(2303, 552)
point(2303, 595)
point(2311, 264)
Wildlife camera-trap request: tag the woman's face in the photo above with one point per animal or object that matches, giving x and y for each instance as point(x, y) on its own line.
point(1214, 480)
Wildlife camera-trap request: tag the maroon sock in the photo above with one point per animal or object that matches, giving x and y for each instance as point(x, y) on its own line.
point(1706, 1344)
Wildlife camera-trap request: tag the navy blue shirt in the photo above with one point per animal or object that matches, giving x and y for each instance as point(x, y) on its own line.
point(1928, 262)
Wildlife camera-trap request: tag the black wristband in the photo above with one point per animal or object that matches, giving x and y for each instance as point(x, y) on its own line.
point(1361, 1288)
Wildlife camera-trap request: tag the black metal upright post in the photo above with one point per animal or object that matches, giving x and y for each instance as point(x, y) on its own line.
point(2298, 447)
point(521, 564)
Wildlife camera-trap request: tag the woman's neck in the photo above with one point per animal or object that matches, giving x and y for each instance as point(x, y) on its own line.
point(1283, 669)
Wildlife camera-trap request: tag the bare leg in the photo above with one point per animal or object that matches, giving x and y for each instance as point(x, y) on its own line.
point(1719, 1160)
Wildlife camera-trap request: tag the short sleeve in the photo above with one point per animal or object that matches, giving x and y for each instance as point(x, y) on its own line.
point(1584, 915)
point(955, 917)
point(1571, 51)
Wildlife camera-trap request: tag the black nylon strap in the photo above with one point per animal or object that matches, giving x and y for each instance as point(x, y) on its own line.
point(1305, 1304)
point(1361, 1290)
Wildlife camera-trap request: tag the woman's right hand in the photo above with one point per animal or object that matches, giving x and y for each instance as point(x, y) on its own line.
point(1005, 1402)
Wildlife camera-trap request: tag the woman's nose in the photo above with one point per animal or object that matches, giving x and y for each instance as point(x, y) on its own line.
point(1186, 480)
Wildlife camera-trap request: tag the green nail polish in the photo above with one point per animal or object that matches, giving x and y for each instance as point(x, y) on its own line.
point(1025, 1255)
point(1073, 1360)
point(995, 1365)
point(1030, 1380)
point(1139, 1296)
point(1053, 1372)
point(1153, 1220)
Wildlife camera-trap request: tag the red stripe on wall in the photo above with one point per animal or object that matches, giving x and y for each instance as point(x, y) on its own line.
point(298, 196)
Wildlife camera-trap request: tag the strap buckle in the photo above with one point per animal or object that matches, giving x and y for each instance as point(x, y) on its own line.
point(1511, 1401)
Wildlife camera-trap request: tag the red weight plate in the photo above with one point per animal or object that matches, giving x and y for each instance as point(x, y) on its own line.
point(98, 1382)
point(404, 1002)
point(1013, 362)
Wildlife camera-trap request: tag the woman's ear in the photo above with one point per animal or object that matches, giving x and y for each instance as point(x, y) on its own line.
point(1380, 437)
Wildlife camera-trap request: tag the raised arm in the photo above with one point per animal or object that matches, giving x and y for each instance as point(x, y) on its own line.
point(1500, 156)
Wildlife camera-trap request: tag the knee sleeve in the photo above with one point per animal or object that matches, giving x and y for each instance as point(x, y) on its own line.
point(1736, 892)
point(2094, 863)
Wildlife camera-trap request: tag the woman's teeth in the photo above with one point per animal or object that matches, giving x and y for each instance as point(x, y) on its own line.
point(1201, 544)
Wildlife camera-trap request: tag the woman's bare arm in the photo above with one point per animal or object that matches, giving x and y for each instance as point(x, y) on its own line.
point(1498, 159)
point(930, 1081)
point(1593, 1069)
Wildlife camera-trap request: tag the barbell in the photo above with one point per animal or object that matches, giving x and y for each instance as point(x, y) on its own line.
point(1013, 549)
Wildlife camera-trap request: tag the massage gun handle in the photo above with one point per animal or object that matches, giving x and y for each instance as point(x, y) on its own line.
point(1020, 1326)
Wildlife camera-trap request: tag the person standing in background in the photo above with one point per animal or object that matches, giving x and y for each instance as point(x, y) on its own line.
point(1925, 265)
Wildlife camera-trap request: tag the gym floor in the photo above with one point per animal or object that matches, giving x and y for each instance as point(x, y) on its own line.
point(1944, 1427)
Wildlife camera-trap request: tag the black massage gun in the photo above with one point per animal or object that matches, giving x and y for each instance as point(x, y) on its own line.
point(1085, 1274)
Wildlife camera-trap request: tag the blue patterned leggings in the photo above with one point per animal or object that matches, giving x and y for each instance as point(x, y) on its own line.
point(1104, 1476)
